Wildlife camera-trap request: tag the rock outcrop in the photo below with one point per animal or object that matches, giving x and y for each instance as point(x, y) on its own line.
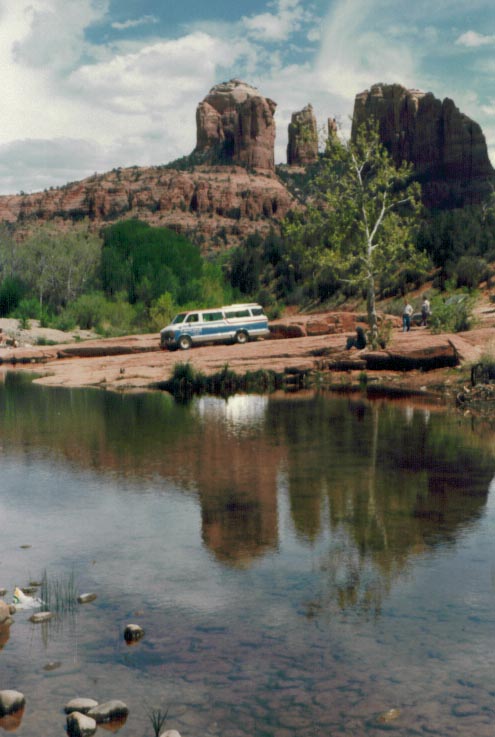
point(447, 148)
point(235, 125)
point(212, 205)
point(302, 148)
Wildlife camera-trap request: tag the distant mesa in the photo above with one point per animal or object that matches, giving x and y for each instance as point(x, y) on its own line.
point(302, 148)
point(235, 125)
point(447, 148)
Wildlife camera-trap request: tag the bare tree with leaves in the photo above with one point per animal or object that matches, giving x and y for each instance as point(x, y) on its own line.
point(362, 217)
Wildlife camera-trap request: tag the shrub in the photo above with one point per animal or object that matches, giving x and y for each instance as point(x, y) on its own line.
point(88, 311)
point(471, 270)
point(452, 315)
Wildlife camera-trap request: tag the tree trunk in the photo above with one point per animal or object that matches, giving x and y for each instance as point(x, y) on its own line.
point(371, 307)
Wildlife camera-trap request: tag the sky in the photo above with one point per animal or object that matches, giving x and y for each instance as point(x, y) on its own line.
point(89, 85)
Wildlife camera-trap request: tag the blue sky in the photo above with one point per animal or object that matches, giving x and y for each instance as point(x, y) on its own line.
point(88, 85)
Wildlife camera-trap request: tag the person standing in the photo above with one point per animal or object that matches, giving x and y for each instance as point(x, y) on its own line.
point(425, 310)
point(406, 316)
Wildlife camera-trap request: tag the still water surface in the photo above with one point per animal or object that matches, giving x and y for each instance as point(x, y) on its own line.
point(300, 564)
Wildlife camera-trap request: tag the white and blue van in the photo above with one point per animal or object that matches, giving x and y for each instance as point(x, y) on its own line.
point(234, 323)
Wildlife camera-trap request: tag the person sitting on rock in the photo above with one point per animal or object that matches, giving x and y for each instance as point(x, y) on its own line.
point(359, 341)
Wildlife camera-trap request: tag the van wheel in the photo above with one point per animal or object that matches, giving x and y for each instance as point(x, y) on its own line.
point(241, 337)
point(185, 342)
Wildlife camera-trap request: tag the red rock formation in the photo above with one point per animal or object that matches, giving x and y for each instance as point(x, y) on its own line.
point(302, 148)
point(447, 148)
point(235, 124)
point(209, 204)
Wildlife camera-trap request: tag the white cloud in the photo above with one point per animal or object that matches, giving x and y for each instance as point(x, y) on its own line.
point(75, 107)
point(472, 39)
point(288, 18)
point(144, 21)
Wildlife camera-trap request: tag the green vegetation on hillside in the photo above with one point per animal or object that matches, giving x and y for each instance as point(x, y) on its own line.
point(134, 277)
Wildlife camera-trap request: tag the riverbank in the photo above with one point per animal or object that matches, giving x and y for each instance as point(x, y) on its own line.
point(417, 361)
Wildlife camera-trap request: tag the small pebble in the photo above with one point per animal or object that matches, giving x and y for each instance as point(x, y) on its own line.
point(133, 632)
point(3, 592)
point(38, 617)
point(86, 598)
point(389, 716)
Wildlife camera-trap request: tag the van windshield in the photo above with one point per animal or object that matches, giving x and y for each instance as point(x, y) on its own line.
point(179, 318)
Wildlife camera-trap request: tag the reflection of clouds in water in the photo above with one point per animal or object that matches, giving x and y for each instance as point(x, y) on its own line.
point(239, 412)
point(410, 412)
point(490, 502)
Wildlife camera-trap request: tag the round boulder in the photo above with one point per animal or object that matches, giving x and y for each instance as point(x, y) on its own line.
point(80, 725)
point(133, 633)
point(4, 612)
point(11, 701)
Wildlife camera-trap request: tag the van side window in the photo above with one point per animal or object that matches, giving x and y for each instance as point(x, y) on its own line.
point(257, 310)
point(192, 318)
point(237, 313)
point(212, 316)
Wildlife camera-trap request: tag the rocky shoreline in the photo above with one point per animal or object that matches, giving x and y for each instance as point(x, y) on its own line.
point(417, 362)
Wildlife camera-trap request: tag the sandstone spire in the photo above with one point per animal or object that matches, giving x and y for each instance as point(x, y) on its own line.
point(235, 125)
point(302, 148)
point(447, 148)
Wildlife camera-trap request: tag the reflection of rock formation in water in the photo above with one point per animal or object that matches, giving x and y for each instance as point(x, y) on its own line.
point(394, 485)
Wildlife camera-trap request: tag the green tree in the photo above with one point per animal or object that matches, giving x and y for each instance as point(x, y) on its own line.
point(57, 266)
point(146, 262)
point(362, 217)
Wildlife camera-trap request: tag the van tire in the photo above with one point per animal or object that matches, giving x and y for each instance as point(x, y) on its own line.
point(184, 342)
point(241, 337)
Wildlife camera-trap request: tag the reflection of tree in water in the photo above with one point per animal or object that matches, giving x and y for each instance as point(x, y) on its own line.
point(395, 483)
point(387, 483)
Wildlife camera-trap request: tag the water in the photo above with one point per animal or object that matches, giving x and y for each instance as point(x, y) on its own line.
point(300, 565)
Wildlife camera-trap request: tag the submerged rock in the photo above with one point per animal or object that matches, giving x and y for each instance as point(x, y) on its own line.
point(11, 701)
point(389, 716)
point(80, 725)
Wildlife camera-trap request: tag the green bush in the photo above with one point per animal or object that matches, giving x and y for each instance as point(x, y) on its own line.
point(471, 270)
point(451, 315)
point(88, 311)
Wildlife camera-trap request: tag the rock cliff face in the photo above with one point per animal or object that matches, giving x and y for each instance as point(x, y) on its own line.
point(302, 148)
point(447, 148)
point(212, 205)
point(235, 125)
